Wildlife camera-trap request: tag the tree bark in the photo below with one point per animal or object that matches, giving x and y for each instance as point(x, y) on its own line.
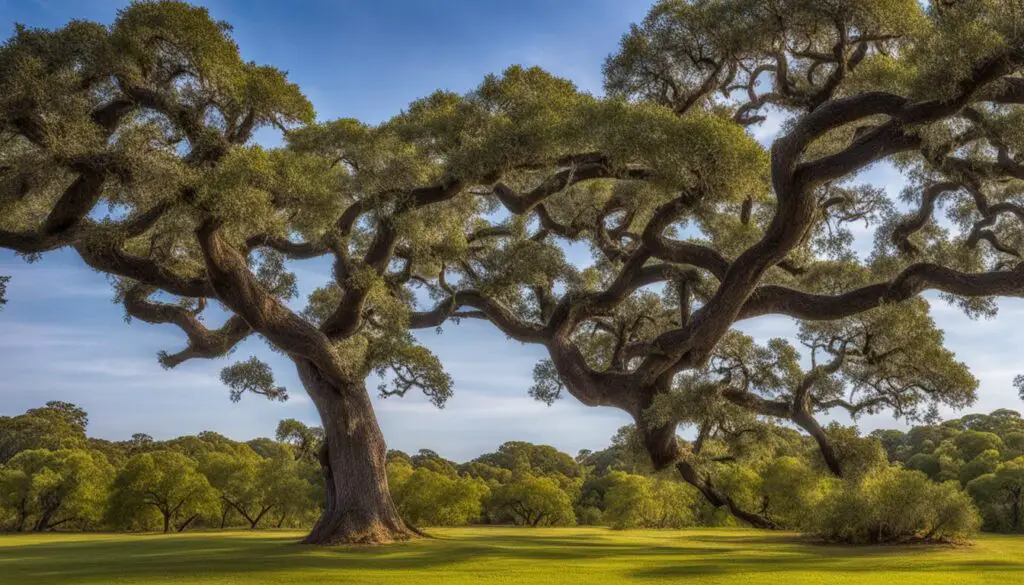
point(807, 422)
point(663, 447)
point(167, 522)
point(718, 499)
point(358, 507)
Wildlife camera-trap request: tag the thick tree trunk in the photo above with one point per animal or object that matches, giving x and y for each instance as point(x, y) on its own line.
point(808, 423)
point(167, 522)
point(358, 507)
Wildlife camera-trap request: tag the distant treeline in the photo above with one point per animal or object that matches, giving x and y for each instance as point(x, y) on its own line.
point(930, 482)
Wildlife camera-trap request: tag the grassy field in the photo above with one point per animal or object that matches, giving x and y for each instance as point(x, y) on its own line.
point(500, 555)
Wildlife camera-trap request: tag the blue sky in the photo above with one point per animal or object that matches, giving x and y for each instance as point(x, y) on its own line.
point(61, 337)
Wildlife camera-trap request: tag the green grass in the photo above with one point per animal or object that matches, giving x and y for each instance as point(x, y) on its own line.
point(501, 555)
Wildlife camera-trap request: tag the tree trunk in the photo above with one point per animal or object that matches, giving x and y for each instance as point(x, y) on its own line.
point(187, 522)
point(718, 499)
point(22, 519)
point(1016, 508)
point(663, 447)
point(358, 507)
point(167, 522)
point(255, 521)
point(808, 423)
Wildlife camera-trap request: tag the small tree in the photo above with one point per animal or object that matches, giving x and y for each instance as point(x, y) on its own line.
point(1000, 496)
point(429, 498)
point(165, 482)
point(896, 505)
point(239, 478)
point(636, 501)
point(57, 425)
point(532, 501)
point(55, 488)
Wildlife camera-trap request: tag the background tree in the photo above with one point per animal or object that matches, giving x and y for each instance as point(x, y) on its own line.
point(239, 478)
point(431, 498)
point(636, 501)
point(50, 489)
point(305, 439)
point(57, 425)
point(1000, 496)
point(532, 501)
point(166, 483)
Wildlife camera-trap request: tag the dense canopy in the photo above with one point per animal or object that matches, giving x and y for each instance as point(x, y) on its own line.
point(133, 144)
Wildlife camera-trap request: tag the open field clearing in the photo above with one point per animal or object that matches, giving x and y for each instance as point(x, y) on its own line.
point(500, 555)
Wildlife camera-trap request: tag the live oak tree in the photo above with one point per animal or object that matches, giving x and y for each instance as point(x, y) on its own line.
point(132, 144)
point(55, 489)
point(57, 425)
point(532, 501)
point(163, 484)
point(700, 227)
point(890, 358)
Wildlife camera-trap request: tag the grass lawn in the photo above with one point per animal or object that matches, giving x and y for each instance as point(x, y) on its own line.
point(500, 555)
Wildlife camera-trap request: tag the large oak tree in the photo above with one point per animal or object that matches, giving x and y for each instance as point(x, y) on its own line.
point(132, 144)
point(709, 231)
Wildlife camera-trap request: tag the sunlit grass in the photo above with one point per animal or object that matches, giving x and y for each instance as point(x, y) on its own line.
point(500, 555)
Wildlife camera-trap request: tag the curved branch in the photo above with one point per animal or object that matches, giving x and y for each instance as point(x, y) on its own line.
point(914, 280)
point(202, 342)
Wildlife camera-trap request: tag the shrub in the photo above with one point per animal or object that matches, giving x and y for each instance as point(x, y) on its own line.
point(636, 501)
point(430, 498)
point(894, 505)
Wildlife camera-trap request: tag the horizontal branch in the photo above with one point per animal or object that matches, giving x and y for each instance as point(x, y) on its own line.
point(915, 279)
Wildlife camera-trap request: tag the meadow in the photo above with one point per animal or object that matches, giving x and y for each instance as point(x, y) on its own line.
point(501, 555)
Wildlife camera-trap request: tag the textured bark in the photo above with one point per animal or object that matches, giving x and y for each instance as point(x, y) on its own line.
point(358, 507)
point(808, 423)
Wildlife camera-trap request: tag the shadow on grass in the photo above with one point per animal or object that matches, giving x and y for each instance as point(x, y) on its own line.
point(648, 557)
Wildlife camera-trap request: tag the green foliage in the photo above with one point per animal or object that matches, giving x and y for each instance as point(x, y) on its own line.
point(428, 498)
point(45, 489)
point(253, 376)
point(1000, 496)
point(58, 425)
point(166, 484)
point(791, 491)
point(305, 439)
point(531, 501)
point(636, 501)
point(896, 505)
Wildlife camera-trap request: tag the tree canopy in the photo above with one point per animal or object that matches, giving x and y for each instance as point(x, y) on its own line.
point(133, 145)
